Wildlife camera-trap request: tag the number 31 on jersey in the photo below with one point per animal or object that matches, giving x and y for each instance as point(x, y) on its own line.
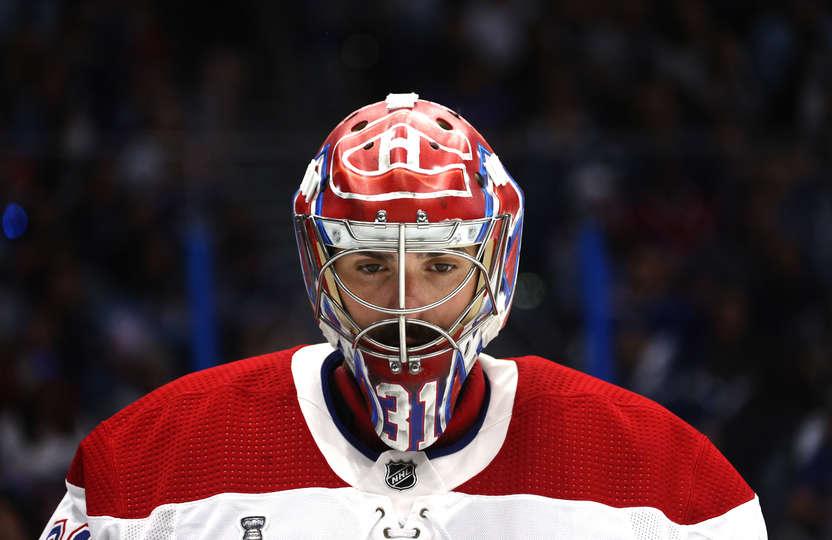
point(396, 403)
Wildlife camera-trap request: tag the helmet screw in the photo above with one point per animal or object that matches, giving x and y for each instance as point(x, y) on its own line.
point(421, 216)
point(381, 216)
point(395, 366)
point(414, 366)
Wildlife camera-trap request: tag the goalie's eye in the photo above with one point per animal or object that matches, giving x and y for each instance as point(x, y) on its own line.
point(370, 268)
point(442, 267)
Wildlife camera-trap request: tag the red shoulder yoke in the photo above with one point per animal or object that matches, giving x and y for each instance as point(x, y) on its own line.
point(233, 428)
point(576, 437)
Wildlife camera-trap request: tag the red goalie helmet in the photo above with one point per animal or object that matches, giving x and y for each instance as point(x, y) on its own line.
point(395, 184)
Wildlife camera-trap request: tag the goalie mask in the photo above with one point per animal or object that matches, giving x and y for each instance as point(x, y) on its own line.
point(408, 229)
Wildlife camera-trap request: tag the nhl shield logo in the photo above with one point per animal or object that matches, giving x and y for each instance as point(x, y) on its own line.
point(401, 475)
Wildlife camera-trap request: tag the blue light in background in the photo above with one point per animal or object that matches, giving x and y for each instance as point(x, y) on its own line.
point(15, 221)
point(200, 276)
point(596, 299)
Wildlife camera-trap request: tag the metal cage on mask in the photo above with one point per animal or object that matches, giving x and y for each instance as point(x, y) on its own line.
point(327, 240)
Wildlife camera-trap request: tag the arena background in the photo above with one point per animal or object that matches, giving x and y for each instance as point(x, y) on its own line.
point(675, 157)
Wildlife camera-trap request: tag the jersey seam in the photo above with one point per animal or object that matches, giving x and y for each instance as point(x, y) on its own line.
point(696, 464)
point(174, 400)
point(179, 394)
point(648, 405)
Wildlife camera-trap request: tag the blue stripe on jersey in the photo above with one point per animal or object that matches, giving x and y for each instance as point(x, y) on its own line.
point(332, 361)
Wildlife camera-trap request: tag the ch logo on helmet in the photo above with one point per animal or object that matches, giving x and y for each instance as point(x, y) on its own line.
point(401, 475)
point(398, 146)
point(419, 147)
point(253, 525)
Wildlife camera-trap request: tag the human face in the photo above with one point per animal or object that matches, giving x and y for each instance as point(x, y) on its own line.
point(429, 277)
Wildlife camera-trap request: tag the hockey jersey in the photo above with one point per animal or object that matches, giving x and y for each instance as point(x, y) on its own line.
point(254, 450)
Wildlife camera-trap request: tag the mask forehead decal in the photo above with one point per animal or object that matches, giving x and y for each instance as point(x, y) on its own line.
point(402, 155)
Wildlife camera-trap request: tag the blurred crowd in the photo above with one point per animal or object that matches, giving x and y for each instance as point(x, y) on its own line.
point(146, 138)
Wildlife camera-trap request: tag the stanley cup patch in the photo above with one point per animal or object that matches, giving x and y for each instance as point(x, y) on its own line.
point(253, 526)
point(401, 475)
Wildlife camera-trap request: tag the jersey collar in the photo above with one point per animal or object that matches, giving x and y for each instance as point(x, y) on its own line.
point(346, 406)
point(355, 462)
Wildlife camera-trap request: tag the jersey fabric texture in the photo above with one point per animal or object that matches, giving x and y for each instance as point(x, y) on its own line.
point(255, 449)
